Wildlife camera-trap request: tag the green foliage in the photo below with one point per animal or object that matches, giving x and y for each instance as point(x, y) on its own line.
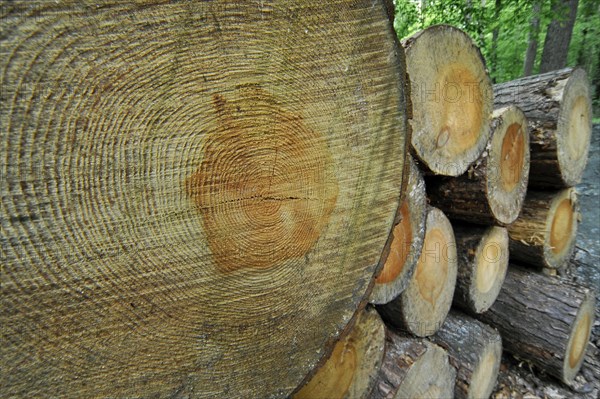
point(512, 19)
point(584, 49)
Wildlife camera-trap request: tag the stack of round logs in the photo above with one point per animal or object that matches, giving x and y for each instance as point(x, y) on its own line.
point(232, 199)
point(489, 200)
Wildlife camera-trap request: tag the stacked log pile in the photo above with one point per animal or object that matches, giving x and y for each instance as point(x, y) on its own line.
point(499, 225)
point(361, 218)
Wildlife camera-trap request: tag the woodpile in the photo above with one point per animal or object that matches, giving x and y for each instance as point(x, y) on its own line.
point(229, 207)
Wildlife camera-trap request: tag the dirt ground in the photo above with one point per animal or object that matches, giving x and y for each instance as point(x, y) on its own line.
point(517, 378)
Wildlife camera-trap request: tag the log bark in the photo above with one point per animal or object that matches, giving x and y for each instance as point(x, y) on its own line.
point(413, 369)
point(475, 349)
point(544, 234)
point(423, 306)
point(493, 189)
point(183, 184)
point(352, 368)
point(451, 95)
point(482, 258)
point(406, 241)
point(544, 320)
point(558, 109)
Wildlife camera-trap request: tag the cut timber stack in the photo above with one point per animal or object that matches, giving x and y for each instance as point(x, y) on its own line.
point(413, 368)
point(558, 108)
point(195, 195)
point(407, 241)
point(475, 349)
point(494, 187)
point(544, 320)
point(540, 132)
point(452, 100)
point(423, 306)
point(199, 199)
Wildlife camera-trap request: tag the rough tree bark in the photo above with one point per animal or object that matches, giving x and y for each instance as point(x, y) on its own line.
point(413, 369)
point(558, 36)
point(532, 40)
point(544, 320)
point(183, 186)
point(475, 349)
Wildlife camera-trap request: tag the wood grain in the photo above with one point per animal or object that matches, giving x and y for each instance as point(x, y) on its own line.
point(195, 195)
point(351, 370)
point(452, 99)
point(406, 240)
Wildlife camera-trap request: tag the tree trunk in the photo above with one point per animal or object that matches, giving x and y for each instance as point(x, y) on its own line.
point(558, 36)
point(352, 368)
point(559, 112)
point(495, 34)
point(407, 241)
point(544, 320)
point(413, 369)
point(482, 254)
point(451, 98)
point(475, 349)
point(544, 234)
point(532, 41)
point(183, 186)
point(423, 306)
point(493, 189)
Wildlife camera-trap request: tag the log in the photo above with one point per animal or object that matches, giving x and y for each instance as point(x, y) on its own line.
point(493, 189)
point(475, 349)
point(482, 254)
point(452, 99)
point(413, 369)
point(558, 108)
point(544, 320)
point(406, 241)
point(352, 368)
point(423, 306)
point(183, 184)
point(544, 234)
